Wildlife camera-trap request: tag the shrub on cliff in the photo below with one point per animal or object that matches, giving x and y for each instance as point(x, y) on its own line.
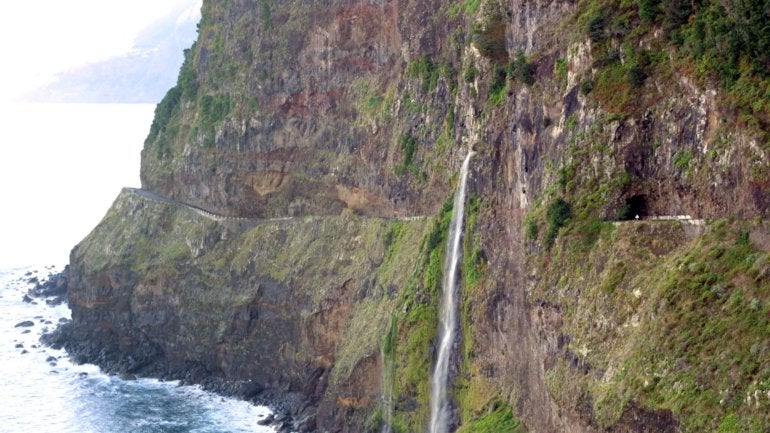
point(557, 215)
point(489, 38)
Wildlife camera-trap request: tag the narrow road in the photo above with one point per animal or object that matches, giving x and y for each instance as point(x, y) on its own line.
point(206, 213)
point(223, 218)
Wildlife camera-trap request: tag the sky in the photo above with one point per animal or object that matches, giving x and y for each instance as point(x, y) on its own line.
point(39, 38)
point(62, 165)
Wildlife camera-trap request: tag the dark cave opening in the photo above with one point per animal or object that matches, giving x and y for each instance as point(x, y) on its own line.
point(635, 206)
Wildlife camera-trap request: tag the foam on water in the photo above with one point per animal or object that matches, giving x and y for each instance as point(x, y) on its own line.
point(44, 392)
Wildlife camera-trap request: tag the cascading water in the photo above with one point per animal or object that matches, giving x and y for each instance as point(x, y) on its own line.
point(439, 405)
point(387, 385)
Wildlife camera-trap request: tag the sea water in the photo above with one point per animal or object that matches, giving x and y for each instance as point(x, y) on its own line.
point(43, 392)
point(61, 167)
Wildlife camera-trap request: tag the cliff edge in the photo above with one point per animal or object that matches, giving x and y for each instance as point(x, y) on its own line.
point(615, 268)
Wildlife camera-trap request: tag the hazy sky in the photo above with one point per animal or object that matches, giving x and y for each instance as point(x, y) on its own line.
point(39, 38)
point(61, 165)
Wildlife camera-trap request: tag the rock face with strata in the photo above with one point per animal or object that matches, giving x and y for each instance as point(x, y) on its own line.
point(347, 117)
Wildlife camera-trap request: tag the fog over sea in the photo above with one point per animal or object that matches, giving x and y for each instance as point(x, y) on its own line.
point(62, 166)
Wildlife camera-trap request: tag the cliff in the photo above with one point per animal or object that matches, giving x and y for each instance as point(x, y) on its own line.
point(335, 129)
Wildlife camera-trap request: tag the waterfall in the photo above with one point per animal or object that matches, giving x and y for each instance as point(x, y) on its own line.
point(387, 383)
point(439, 404)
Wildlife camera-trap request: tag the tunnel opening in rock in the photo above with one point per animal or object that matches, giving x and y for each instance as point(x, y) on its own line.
point(634, 207)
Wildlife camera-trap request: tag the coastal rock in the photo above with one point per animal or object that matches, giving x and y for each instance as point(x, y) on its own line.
point(54, 288)
point(296, 186)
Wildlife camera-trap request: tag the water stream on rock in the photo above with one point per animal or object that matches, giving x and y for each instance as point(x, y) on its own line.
point(439, 403)
point(387, 395)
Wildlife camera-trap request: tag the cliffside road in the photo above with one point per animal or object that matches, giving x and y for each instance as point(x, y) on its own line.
point(245, 222)
point(203, 212)
point(692, 226)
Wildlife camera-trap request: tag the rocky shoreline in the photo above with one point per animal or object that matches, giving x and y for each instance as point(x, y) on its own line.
point(291, 412)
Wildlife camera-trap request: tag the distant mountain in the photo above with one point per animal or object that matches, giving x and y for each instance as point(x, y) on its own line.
point(140, 76)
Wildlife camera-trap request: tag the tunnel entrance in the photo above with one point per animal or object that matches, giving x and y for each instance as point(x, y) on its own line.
point(635, 206)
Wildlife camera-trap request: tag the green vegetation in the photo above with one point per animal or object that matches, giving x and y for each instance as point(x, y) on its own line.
point(160, 130)
point(265, 14)
point(212, 111)
point(429, 72)
point(408, 144)
point(424, 69)
point(163, 113)
point(682, 160)
point(517, 69)
point(474, 258)
point(560, 68)
point(715, 317)
point(479, 403)
point(613, 89)
point(530, 227)
point(372, 102)
point(716, 41)
point(690, 323)
point(468, 7)
point(557, 215)
point(408, 347)
point(586, 87)
point(521, 69)
point(499, 419)
point(188, 79)
point(489, 38)
point(470, 74)
point(498, 85)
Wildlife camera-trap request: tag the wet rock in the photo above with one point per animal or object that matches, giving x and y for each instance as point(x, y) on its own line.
point(25, 324)
point(54, 287)
point(19, 346)
point(268, 420)
point(53, 302)
point(250, 390)
point(51, 359)
point(305, 424)
point(24, 352)
point(59, 337)
point(26, 299)
point(26, 331)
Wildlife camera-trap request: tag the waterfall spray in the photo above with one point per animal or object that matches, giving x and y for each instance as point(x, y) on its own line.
point(439, 404)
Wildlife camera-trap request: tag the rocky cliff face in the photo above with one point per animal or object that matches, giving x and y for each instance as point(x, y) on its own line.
point(344, 115)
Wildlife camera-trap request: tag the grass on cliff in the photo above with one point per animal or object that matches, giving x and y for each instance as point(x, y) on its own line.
point(686, 331)
point(708, 358)
point(408, 342)
point(478, 400)
point(499, 419)
point(718, 44)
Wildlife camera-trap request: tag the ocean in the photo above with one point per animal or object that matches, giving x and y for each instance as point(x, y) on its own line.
point(42, 391)
point(63, 165)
